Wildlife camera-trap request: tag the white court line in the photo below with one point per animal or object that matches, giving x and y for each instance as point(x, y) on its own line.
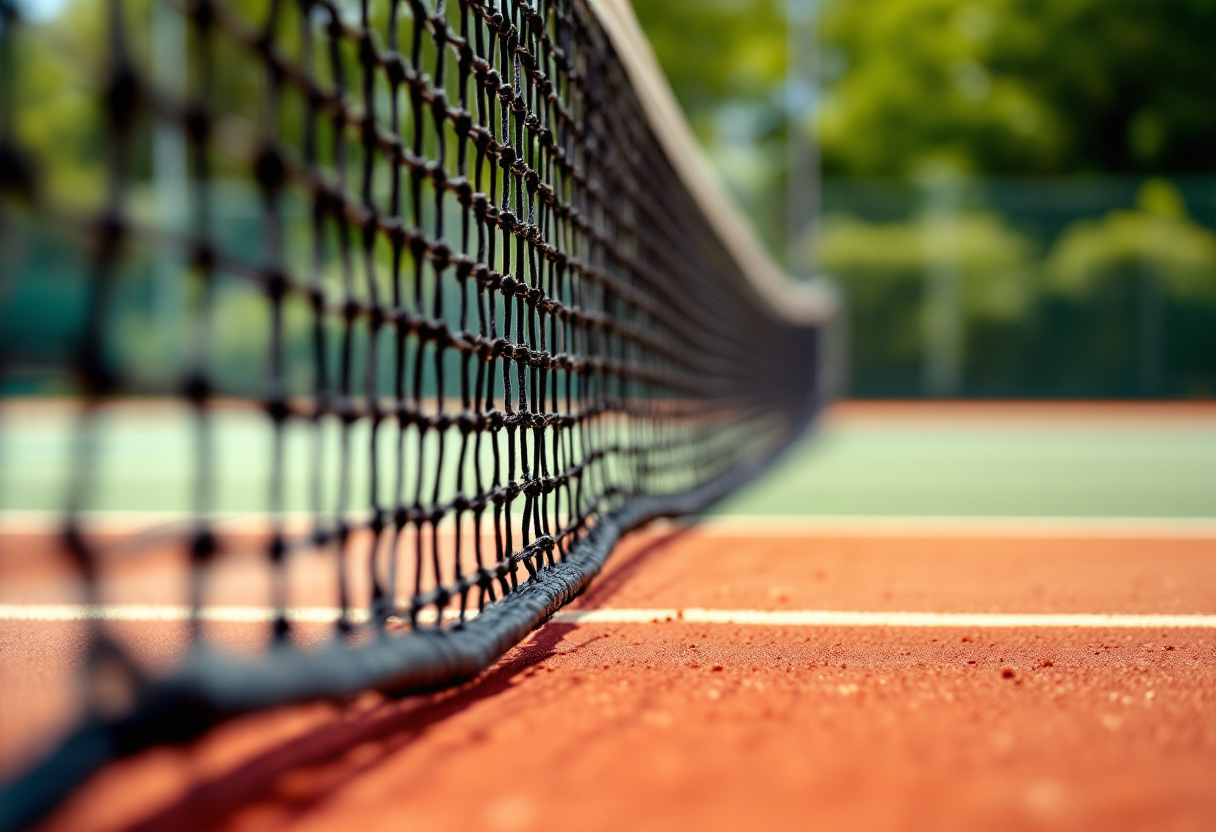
point(1072, 528)
point(174, 612)
point(769, 618)
point(848, 618)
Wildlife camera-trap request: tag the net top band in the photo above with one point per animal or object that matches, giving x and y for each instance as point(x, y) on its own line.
point(809, 302)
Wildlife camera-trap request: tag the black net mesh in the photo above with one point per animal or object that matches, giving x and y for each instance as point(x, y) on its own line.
point(439, 249)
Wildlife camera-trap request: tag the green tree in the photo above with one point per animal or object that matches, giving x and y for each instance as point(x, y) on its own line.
point(1158, 238)
point(725, 60)
point(719, 54)
point(881, 268)
point(1019, 86)
point(983, 86)
point(1141, 285)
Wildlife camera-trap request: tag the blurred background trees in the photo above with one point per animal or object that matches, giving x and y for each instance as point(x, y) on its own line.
point(1039, 174)
point(996, 87)
point(1018, 196)
point(1019, 87)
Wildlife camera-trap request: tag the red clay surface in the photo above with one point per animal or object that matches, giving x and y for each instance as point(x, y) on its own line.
point(677, 725)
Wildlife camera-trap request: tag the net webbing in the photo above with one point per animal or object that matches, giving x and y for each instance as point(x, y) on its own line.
point(472, 265)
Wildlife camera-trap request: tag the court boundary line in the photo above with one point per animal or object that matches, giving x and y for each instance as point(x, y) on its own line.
point(136, 613)
point(912, 526)
point(169, 613)
point(890, 619)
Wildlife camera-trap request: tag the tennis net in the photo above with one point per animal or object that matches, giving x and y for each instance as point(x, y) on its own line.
point(463, 263)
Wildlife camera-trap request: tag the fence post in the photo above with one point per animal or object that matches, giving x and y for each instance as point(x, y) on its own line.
point(942, 312)
point(802, 152)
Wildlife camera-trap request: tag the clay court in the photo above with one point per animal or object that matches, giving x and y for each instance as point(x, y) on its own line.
point(843, 671)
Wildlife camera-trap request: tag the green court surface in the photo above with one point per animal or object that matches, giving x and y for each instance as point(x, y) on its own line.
point(1003, 469)
point(1107, 468)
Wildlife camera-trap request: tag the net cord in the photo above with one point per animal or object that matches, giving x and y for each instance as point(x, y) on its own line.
point(806, 302)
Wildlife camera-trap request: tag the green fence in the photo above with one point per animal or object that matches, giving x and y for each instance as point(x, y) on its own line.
point(1025, 288)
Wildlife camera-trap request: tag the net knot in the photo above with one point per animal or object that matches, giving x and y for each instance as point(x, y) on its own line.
point(401, 518)
point(122, 96)
point(277, 408)
point(375, 320)
point(439, 105)
point(203, 545)
point(395, 69)
point(431, 330)
point(441, 256)
point(489, 278)
point(464, 265)
point(203, 257)
point(418, 246)
point(437, 173)
point(397, 233)
point(485, 578)
point(463, 190)
point(197, 390)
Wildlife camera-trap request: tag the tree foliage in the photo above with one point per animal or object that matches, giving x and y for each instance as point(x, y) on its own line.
point(983, 86)
point(1019, 86)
